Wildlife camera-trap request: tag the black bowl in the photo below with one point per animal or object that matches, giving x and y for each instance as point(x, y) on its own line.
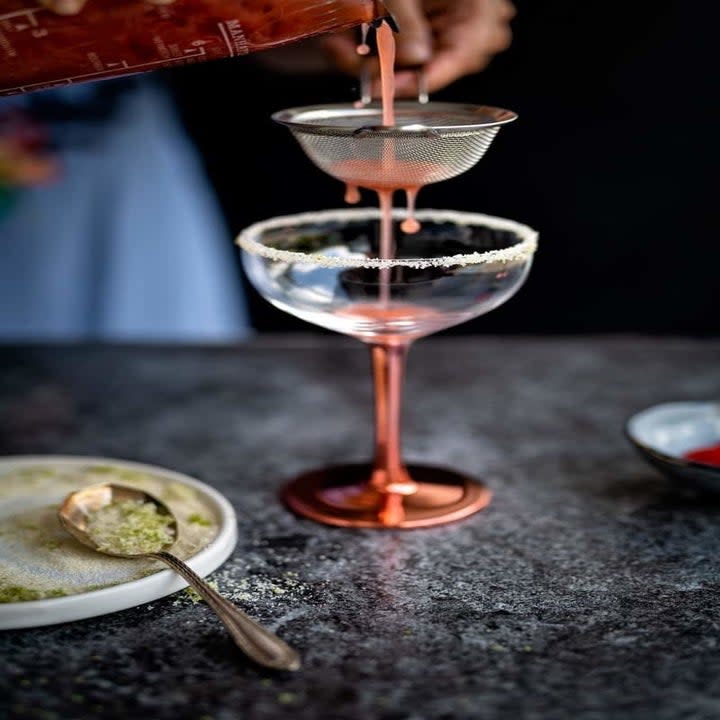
point(664, 434)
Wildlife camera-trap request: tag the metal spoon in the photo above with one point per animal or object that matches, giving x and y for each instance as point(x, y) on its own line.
point(255, 641)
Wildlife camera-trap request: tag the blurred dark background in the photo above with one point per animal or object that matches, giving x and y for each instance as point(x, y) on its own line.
point(612, 160)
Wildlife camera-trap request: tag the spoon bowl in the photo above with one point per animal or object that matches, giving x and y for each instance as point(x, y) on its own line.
point(78, 506)
point(258, 643)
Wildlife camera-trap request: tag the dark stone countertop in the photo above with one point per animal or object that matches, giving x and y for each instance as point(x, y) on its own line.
point(588, 590)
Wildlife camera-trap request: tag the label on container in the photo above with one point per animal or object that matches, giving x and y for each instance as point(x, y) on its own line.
point(109, 38)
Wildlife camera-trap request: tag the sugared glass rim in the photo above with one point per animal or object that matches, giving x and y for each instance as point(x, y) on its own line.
point(520, 252)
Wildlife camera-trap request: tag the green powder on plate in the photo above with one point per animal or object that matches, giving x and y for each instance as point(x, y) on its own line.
point(18, 593)
point(198, 519)
point(130, 527)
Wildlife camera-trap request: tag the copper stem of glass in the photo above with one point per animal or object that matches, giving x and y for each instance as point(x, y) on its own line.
point(389, 476)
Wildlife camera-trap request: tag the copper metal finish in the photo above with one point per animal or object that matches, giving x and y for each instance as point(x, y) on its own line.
point(340, 495)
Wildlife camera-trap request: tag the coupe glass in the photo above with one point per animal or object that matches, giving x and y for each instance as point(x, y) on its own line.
point(325, 268)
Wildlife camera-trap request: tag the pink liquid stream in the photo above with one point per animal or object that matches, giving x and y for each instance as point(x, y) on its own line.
point(389, 477)
point(387, 165)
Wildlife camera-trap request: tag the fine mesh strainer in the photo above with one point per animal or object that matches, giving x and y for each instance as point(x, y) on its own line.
point(428, 143)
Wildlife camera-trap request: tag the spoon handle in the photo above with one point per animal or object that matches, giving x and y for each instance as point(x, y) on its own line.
point(255, 641)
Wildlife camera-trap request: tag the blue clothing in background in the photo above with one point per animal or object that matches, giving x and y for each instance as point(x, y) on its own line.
point(129, 244)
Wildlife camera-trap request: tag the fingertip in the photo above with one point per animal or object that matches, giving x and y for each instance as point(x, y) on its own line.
point(414, 42)
point(64, 7)
point(406, 85)
point(440, 74)
point(502, 39)
point(445, 70)
point(413, 51)
point(507, 10)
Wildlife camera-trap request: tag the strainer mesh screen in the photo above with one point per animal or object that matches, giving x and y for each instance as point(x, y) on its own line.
point(382, 161)
point(428, 144)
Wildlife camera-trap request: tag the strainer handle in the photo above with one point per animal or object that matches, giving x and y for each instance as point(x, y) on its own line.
point(366, 85)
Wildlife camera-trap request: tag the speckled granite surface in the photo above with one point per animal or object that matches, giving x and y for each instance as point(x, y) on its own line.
point(589, 589)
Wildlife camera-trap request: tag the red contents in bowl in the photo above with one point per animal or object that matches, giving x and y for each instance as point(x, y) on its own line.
point(707, 455)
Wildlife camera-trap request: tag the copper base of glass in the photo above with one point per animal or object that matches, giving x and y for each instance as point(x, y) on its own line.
point(340, 495)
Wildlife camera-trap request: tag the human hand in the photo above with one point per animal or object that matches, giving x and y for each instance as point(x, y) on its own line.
point(449, 39)
point(73, 7)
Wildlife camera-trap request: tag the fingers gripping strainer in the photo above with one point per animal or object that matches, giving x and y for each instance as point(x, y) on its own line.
point(429, 142)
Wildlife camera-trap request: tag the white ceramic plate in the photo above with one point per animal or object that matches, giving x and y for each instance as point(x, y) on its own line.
point(127, 592)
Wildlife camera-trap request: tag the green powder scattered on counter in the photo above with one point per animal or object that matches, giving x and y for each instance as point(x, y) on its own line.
point(286, 698)
point(195, 597)
point(130, 528)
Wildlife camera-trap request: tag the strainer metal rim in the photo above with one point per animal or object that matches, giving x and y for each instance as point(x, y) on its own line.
point(523, 251)
point(288, 118)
